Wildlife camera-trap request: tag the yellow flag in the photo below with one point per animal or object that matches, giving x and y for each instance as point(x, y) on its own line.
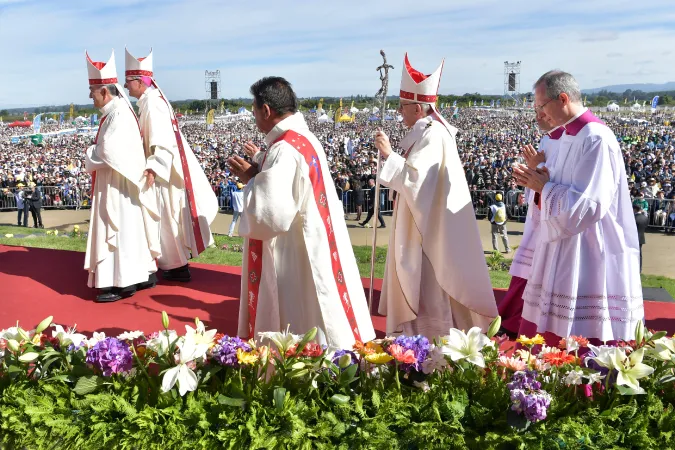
point(352, 104)
point(340, 103)
point(625, 101)
point(209, 117)
point(71, 111)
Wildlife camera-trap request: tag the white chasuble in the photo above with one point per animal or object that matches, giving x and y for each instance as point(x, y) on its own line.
point(436, 275)
point(123, 239)
point(163, 157)
point(585, 277)
point(299, 268)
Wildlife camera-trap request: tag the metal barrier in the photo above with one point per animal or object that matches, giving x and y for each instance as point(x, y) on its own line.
point(53, 197)
point(661, 213)
point(514, 200)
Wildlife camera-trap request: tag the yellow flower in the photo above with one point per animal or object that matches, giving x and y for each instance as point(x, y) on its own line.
point(36, 339)
point(537, 340)
point(378, 358)
point(246, 358)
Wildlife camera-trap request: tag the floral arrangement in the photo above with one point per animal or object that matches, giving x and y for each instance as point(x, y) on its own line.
point(60, 388)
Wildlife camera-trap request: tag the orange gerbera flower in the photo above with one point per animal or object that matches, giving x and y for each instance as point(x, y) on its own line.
point(558, 358)
point(582, 341)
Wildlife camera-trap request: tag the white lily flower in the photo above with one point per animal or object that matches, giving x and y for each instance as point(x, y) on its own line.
point(664, 349)
point(160, 344)
point(67, 337)
point(595, 377)
point(200, 336)
point(130, 335)
point(95, 339)
point(574, 377)
point(10, 333)
point(630, 368)
point(604, 355)
point(466, 346)
point(282, 339)
point(187, 380)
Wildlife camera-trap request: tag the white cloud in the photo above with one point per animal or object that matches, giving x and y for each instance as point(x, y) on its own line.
point(327, 48)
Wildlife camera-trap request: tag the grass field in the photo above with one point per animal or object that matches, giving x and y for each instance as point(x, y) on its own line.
point(216, 255)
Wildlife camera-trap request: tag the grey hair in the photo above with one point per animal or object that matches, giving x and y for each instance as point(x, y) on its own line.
point(557, 82)
point(113, 90)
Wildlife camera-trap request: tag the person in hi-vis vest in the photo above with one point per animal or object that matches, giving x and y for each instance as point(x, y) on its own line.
point(497, 217)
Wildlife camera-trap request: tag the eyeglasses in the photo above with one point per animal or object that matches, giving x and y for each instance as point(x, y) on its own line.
point(538, 109)
point(129, 80)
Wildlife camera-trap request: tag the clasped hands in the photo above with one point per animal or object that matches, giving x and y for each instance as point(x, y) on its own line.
point(529, 175)
point(242, 168)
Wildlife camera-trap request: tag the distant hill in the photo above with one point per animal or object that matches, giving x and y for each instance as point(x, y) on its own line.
point(644, 87)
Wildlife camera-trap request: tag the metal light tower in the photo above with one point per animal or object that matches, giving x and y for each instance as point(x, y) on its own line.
point(212, 86)
point(512, 80)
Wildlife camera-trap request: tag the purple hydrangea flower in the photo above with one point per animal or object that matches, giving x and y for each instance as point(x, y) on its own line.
point(533, 405)
point(225, 351)
point(527, 397)
point(110, 356)
point(74, 348)
point(419, 345)
point(525, 380)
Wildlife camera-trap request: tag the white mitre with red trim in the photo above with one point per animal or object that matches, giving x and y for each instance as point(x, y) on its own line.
point(137, 67)
point(417, 87)
point(101, 72)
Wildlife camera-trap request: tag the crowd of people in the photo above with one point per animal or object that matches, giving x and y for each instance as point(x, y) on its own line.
point(489, 142)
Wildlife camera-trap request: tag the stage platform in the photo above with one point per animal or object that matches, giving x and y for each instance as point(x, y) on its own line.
point(36, 283)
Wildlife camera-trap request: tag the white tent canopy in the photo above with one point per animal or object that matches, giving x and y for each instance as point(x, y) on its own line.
point(613, 107)
point(325, 119)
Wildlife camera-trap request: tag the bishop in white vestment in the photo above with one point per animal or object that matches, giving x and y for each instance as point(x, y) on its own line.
point(585, 277)
point(123, 240)
point(299, 268)
point(511, 306)
point(187, 201)
point(436, 276)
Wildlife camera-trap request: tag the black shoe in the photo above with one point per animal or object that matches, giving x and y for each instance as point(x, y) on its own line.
point(108, 296)
point(181, 274)
point(151, 283)
point(382, 226)
point(362, 224)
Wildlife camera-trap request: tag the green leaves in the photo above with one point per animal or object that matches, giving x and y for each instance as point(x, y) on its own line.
point(87, 385)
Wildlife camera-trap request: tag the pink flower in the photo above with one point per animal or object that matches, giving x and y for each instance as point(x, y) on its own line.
point(397, 351)
point(512, 363)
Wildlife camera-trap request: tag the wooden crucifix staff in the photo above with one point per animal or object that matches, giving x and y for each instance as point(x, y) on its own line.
point(382, 93)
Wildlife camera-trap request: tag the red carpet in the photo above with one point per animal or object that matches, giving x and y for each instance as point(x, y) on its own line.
point(35, 283)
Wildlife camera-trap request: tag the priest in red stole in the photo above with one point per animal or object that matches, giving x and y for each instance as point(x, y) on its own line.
point(436, 276)
point(187, 202)
point(299, 269)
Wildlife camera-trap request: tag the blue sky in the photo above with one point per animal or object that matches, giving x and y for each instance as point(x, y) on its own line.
point(329, 48)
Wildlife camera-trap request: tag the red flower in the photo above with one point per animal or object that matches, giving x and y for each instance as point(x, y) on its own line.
point(311, 350)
